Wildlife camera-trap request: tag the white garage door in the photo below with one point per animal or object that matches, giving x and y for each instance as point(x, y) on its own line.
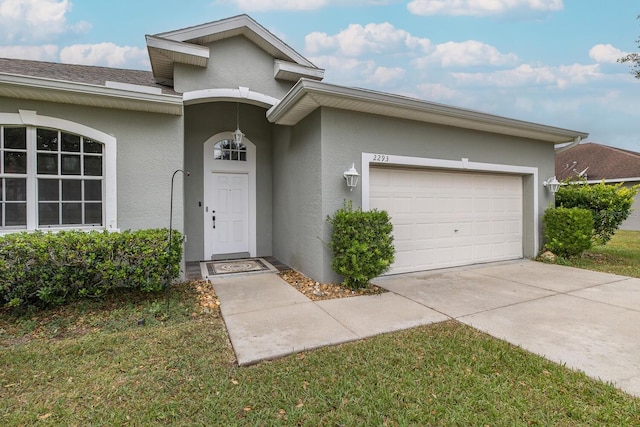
point(446, 219)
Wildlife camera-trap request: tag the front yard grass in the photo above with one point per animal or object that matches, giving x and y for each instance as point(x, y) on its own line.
point(98, 367)
point(621, 255)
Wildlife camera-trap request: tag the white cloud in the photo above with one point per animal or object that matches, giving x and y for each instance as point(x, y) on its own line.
point(105, 54)
point(340, 65)
point(357, 40)
point(438, 92)
point(480, 7)
point(383, 75)
point(33, 20)
point(526, 75)
point(263, 5)
point(465, 54)
point(605, 54)
point(47, 52)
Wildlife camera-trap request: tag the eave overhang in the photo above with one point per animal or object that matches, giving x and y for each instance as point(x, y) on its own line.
point(284, 70)
point(50, 90)
point(308, 95)
point(164, 53)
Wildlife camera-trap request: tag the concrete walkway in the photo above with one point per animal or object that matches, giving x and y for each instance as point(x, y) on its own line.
point(586, 320)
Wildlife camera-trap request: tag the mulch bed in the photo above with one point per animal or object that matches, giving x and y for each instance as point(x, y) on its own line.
point(322, 291)
point(209, 303)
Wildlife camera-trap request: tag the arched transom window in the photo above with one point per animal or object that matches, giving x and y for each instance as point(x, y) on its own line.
point(228, 149)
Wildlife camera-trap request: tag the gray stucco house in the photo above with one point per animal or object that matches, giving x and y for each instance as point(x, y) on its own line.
point(95, 148)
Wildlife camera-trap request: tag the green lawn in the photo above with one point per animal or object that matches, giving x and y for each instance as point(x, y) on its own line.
point(621, 255)
point(91, 364)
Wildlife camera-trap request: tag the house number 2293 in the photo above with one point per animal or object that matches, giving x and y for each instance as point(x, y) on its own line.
point(382, 158)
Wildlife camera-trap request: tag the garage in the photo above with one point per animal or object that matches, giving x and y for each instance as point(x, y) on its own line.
point(449, 218)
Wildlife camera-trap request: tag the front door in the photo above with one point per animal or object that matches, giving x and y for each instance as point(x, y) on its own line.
point(228, 214)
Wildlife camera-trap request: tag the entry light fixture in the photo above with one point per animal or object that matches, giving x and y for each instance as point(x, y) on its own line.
point(552, 185)
point(351, 175)
point(238, 135)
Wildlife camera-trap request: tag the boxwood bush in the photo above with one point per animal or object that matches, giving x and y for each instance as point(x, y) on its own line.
point(568, 231)
point(52, 268)
point(362, 244)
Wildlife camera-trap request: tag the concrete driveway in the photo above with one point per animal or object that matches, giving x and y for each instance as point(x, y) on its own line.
point(587, 320)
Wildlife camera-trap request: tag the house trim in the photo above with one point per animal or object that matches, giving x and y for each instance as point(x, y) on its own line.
point(210, 165)
point(219, 95)
point(231, 27)
point(285, 70)
point(33, 119)
point(51, 90)
point(189, 46)
point(609, 181)
point(373, 159)
point(164, 53)
point(308, 95)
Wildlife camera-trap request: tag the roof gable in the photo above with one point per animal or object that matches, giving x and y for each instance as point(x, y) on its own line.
point(190, 46)
point(596, 162)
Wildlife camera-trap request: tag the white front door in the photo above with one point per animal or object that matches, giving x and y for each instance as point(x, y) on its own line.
point(227, 218)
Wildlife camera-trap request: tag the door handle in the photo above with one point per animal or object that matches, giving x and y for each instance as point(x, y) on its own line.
point(214, 221)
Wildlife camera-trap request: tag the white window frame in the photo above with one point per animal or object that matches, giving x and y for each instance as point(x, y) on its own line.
point(32, 120)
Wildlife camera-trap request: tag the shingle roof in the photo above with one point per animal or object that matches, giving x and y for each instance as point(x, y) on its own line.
point(80, 73)
point(600, 162)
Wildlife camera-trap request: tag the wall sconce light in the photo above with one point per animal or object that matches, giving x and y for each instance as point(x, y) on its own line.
point(552, 185)
point(351, 175)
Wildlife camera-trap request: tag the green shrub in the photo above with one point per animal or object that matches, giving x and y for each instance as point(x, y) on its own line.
point(52, 268)
point(609, 204)
point(568, 232)
point(362, 244)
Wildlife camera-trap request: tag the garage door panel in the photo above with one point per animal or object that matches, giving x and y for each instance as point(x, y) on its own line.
point(424, 204)
point(424, 231)
point(402, 232)
point(427, 207)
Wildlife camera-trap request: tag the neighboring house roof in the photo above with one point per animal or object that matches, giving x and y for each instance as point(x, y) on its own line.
point(308, 95)
point(189, 46)
point(597, 162)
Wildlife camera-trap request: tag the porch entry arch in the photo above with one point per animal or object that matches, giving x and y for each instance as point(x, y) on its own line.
point(229, 185)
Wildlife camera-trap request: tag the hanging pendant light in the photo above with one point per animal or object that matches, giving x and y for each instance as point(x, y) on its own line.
point(238, 135)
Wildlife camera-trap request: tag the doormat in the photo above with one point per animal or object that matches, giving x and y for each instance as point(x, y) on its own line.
point(235, 266)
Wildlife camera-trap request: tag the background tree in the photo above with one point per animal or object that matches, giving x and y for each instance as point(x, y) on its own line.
point(633, 59)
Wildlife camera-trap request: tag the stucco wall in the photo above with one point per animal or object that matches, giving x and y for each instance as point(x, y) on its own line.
point(345, 135)
point(149, 150)
point(297, 200)
point(233, 62)
point(203, 121)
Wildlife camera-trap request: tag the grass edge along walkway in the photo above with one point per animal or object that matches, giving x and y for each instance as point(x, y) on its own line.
point(185, 374)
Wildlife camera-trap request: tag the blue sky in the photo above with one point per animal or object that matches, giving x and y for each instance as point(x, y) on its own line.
point(546, 61)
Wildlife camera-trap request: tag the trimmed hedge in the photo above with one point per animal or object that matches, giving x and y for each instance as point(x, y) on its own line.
point(568, 231)
point(52, 268)
point(362, 244)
